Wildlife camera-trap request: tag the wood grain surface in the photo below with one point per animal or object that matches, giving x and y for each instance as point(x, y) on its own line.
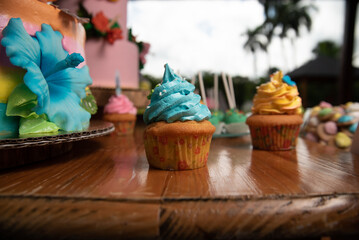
point(104, 189)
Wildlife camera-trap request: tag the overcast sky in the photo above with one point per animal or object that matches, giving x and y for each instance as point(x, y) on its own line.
point(194, 36)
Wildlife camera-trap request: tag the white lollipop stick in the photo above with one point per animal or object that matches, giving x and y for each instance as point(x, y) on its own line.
point(201, 86)
point(215, 92)
point(230, 83)
point(229, 98)
point(193, 80)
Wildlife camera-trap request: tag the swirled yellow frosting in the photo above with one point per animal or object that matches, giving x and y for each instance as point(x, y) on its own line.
point(279, 96)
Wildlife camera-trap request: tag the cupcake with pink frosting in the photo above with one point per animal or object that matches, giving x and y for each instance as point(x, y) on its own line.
point(120, 111)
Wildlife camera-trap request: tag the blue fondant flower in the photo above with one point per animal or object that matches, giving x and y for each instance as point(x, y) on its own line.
point(51, 73)
point(288, 80)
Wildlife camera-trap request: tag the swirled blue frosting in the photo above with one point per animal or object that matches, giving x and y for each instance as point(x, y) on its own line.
point(174, 100)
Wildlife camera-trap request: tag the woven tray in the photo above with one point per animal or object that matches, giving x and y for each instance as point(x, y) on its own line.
point(18, 151)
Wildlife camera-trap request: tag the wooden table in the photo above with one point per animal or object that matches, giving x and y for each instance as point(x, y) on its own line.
point(104, 189)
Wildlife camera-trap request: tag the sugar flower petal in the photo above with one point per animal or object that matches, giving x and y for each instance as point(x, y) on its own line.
point(72, 79)
point(36, 82)
point(67, 112)
point(21, 48)
point(52, 50)
point(67, 88)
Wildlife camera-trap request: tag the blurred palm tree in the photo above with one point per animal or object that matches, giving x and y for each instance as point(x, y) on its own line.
point(283, 17)
point(255, 41)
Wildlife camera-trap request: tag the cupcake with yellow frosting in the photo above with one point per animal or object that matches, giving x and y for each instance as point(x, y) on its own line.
point(178, 134)
point(276, 114)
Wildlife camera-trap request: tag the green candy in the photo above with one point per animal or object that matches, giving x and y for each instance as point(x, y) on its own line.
point(324, 112)
point(234, 116)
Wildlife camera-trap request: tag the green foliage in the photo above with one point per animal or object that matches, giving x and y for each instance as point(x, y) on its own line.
point(280, 18)
point(284, 16)
point(327, 48)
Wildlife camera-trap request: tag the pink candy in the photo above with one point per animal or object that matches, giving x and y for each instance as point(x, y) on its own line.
point(330, 127)
point(324, 104)
point(311, 137)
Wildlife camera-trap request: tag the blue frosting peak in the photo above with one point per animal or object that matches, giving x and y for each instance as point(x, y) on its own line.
point(288, 81)
point(174, 100)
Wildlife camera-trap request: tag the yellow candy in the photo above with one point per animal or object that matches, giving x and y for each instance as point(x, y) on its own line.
point(336, 116)
point(342, 140)
point(348, 104)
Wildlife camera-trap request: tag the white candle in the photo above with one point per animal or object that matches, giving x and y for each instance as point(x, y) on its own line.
point(118, 85)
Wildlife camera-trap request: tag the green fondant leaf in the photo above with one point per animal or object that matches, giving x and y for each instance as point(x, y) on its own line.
point(21, 102)
point(89, 102)
point(36, 124)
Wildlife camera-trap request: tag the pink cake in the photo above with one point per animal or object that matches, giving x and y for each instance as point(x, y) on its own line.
point(103, 58)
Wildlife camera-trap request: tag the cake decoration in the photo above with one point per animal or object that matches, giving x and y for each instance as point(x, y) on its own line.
point(276, 114)
point(177, 136)
point(120, 103)
point(110, 45)
point(120, 111)
point(52, 86)
point(101, 26)
point(277, 97)
point(143, 48)
point(235, 120)
point(175, 100)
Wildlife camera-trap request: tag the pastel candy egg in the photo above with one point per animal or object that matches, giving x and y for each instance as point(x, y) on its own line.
point(336, 116)
point(339, 109)
point(345, 118)
point(324, 104)
point(354, 107)
point(347, 105)
point(354, 114)
point(325, 111)
point(315, 110)
point(330, 127)
point(313, 121)
point(311, 137)
point(342, 140)
point(353, 127)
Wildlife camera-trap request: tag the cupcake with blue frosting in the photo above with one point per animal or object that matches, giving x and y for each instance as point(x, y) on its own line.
point(178, 134)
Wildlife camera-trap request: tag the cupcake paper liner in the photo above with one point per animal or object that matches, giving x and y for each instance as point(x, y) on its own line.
point(177, 153)
point(124, 127)
point(274, 137)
